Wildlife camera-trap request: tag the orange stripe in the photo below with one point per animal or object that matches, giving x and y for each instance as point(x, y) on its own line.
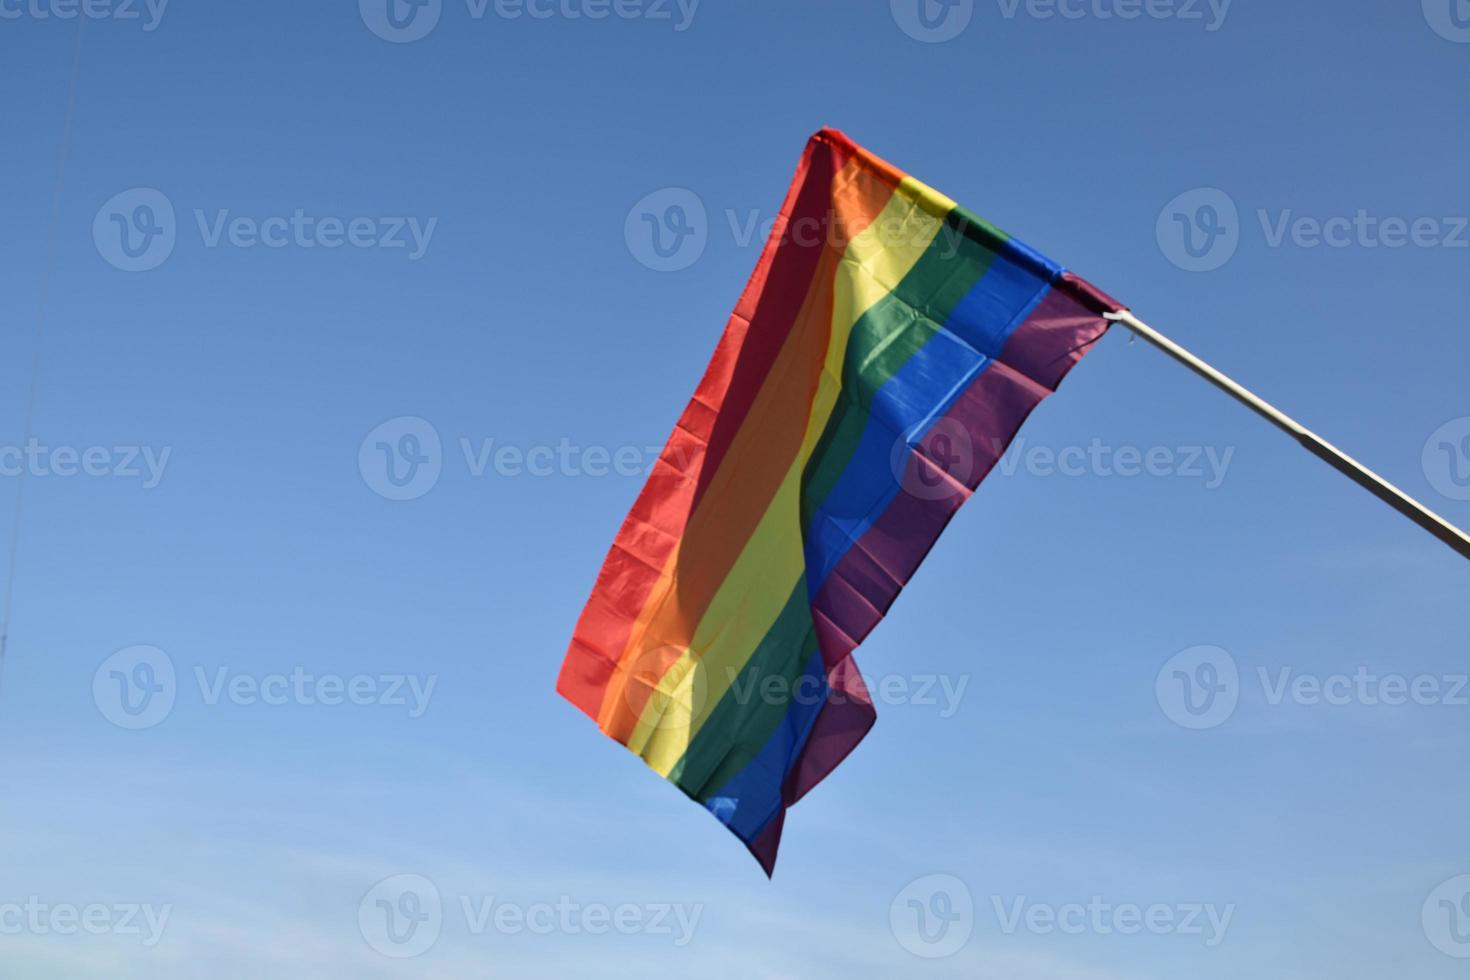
point(758, 459)
point(764, 316)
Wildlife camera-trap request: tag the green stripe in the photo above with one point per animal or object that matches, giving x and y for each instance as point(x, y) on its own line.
point(890, 333)
point(882, 341)
point(748, 714)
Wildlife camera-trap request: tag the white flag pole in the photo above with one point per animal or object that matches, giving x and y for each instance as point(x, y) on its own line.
point(1321, 448)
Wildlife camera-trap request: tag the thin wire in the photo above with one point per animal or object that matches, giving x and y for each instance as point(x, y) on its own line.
point(28, 427)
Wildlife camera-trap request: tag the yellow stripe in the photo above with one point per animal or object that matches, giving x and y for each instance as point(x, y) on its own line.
point(638, 661)
point(753, 594)
point(937, 204)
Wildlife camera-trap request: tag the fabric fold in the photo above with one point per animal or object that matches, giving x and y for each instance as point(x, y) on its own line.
point(885, 353)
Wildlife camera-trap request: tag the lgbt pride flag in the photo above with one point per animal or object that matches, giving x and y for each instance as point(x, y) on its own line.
point(882, 357)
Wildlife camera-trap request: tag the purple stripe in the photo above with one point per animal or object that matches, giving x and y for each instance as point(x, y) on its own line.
point(952, 460)
point(870, 575)
point(938, 477)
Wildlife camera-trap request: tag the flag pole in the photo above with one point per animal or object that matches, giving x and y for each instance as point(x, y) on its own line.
point(1319, 447)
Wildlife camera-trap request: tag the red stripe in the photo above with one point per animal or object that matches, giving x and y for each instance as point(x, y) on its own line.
point(774, 297)
point(753, 337)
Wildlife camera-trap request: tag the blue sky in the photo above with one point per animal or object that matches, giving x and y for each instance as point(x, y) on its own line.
point(354, 693)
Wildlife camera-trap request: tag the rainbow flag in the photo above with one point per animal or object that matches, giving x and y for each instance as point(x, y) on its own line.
point(882, 357)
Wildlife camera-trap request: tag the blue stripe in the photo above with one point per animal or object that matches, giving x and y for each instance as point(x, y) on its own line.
point(752, 798)
point(909, 403)
point(923, 390)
